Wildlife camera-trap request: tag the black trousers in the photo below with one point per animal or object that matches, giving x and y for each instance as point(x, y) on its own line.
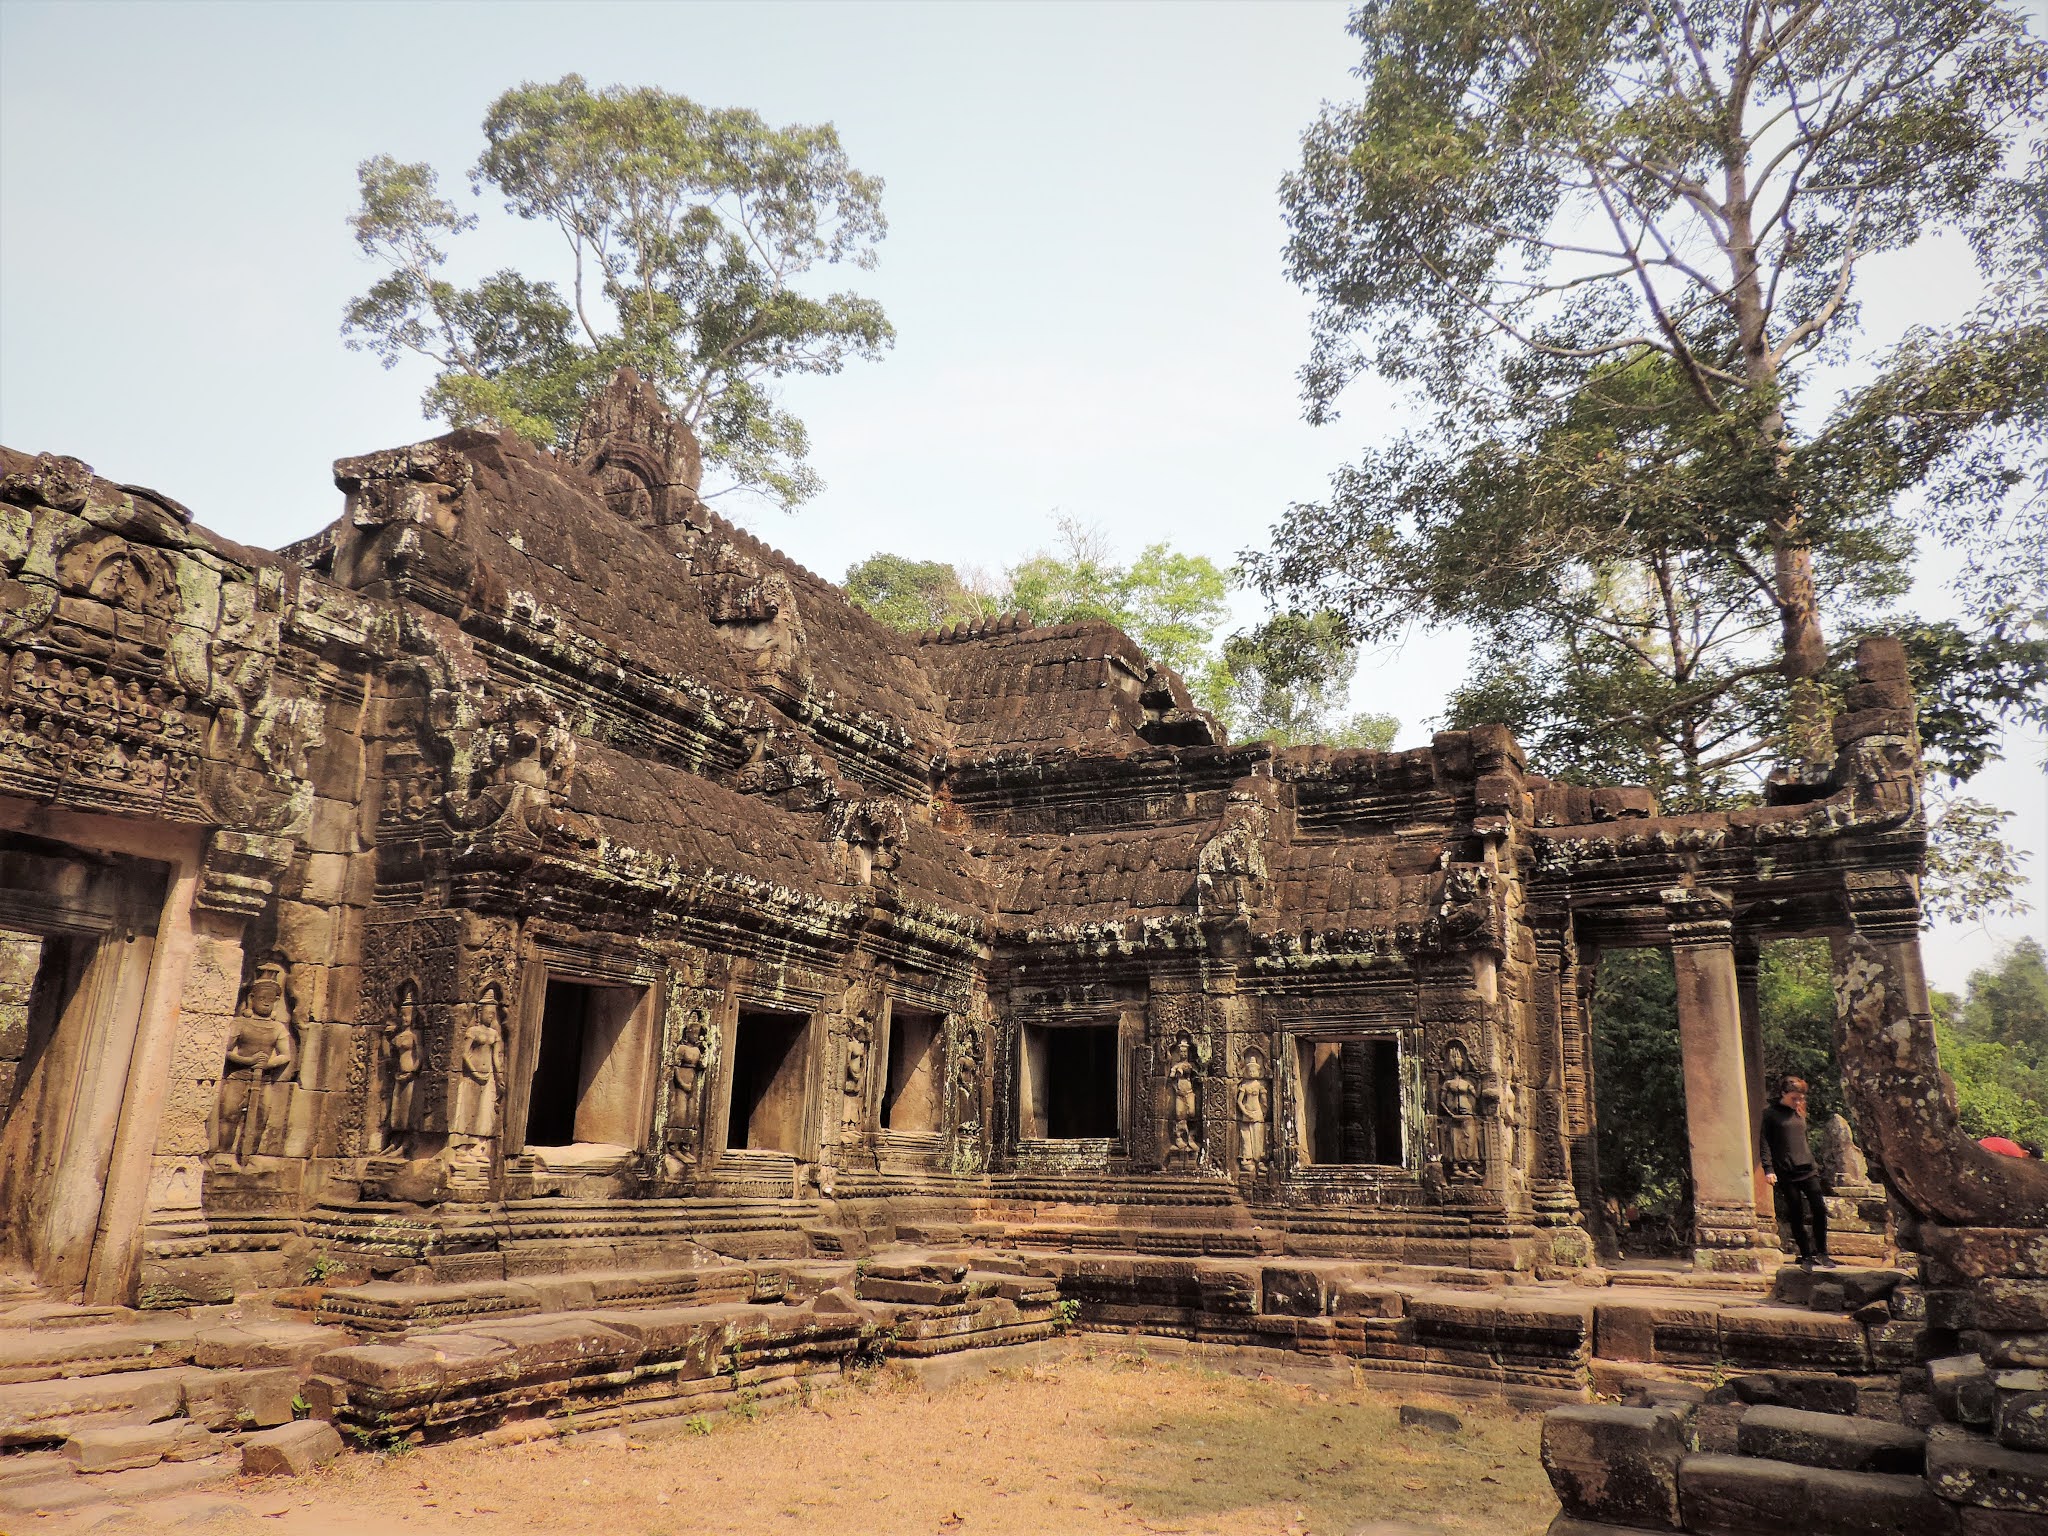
point(1799, 1199)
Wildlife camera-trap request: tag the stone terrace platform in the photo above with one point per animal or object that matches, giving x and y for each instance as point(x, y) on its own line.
point(105, 1402)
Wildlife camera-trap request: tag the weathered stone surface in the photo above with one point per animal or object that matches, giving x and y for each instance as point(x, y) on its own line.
point(1969, 1468)
point(1616, 1464)
point(2019, 1415)
point(118, 1448)
point(1795, 1389)
point(1961, 1387)
point(1748, 1496)
point(290, 1450)
point(1831, 1440)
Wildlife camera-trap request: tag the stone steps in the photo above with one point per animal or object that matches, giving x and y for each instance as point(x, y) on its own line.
point(1831, 1440)
point(46, 1353)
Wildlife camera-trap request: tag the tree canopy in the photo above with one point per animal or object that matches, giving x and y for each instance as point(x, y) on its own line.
point(686, 229)
point(1286, 679)
point(1611, 246)
point(1994, 1044)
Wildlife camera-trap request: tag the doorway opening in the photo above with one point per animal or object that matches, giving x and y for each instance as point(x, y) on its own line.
point(589, 1070)
point(1069, 1082)
point(910, 1095)
point(770, 1082)
point(1350, 1104)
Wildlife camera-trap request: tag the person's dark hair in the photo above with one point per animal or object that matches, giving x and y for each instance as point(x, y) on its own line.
point(1788, 1082)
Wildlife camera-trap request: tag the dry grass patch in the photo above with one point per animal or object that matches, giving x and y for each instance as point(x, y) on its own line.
point(1092, 1441)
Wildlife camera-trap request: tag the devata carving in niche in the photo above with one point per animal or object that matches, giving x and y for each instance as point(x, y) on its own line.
point(1184, 1079)
point(683, 1078)
point(259, 1054)
point(854, 1086)
point(403, 1048)
point(480, 1079)
point(1457, 1108)
point(1254, 1105)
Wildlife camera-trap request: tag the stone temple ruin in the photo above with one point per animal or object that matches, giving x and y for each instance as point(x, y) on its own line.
point(531, 949)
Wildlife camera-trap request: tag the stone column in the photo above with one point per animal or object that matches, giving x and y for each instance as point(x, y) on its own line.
point(1748, 961)
point(1716, 1081)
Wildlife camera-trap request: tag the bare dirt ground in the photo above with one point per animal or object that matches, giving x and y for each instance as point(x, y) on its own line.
point(1091, 1439)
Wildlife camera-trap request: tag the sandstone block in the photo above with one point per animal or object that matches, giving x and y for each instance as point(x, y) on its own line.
point(120, 1448)
point(1961, 1388)
point(1795, 1389)
point(1830, 1440)
point(237, 1399)
point(1366, 1301)
point(1970, 1468)
point(1616, 1464)
point(1293, 1292)
point(290, 1450)
point(2012, 1306)
point(2019, 1415)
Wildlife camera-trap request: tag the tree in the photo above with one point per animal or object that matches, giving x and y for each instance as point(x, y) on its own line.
point(1169, 602)
point(1287, 681)
point(1639, 1086)
point(1535, 197)
point(687, 230)
point(1994, 1044)
point(912, 595)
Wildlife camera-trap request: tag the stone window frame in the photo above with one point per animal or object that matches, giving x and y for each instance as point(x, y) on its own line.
point(878, 1074)
point(550, 962)
point(718, 1124)
point(1285, 1074)
point(1128, 1019)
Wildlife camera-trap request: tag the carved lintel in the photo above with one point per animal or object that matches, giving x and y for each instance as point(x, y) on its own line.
point(240, 871)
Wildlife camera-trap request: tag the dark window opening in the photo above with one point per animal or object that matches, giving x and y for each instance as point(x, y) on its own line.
point(1070, 1082)
point(1350, 1102)
point(587, 1076)
point(768, 1083)
point(910, 1096)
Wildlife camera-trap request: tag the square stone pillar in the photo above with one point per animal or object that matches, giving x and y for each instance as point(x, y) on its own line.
point(1716, 1082)
point(1748, 962)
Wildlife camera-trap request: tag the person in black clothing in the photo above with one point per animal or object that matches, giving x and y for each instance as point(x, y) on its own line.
point(1789, 1166)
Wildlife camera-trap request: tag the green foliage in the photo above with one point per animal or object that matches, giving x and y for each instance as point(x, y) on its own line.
point(913, 595)
point(1287, 681)
point(1994, 1044)
point(688, 229)
point(1639, 1088)
point(1066, 1315)
point(1796, 1001)
point(1610, 244)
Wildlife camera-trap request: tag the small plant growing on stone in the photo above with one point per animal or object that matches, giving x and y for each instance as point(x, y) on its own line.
point(1066, 1315)
point(697, 1424)
point(322, 1266)
point(301, 1409)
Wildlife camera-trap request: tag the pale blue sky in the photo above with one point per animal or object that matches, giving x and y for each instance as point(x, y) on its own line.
point(1083, 264)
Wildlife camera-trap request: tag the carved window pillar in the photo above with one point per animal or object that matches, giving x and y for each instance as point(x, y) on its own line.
point(1716, 1080)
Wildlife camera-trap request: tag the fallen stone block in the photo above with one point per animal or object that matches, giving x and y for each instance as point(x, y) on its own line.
point(916, 1293)
point(1616, 1464)
point(1571, 1525)
point(118, 1448)
point(223, 1400)
point(290, 1450)
point(1416, 1417)
point(1971, 1468)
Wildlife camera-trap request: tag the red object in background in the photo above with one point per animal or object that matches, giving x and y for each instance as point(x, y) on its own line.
point(2004, 1146)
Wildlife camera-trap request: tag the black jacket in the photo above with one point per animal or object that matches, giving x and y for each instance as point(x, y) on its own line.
point(1783, 1143)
